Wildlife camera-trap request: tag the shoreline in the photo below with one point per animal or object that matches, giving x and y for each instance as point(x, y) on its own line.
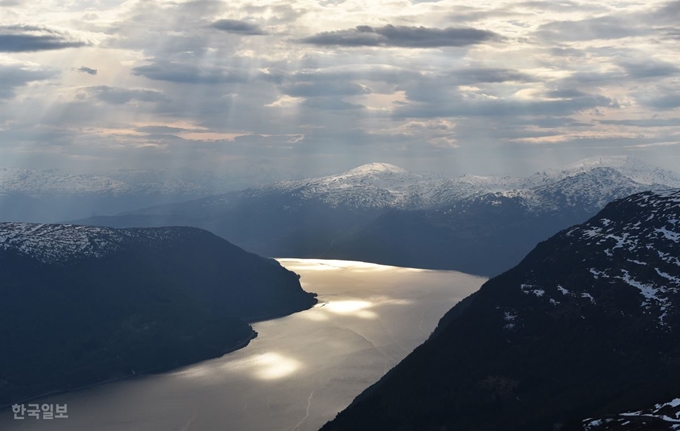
point(238, 346)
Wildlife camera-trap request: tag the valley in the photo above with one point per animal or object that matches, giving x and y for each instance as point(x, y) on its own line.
point(300, 370)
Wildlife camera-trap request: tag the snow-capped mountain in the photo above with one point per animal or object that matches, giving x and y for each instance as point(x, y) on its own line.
point(487, 232)
point(53, 195)
point(631, 167)
point(81, 305)
point(382, 213)
point(586, 326)
point(381, 185)
point(59, 244)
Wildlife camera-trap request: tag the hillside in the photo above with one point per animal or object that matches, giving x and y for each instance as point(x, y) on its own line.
point(79, 304)
point(586, 326)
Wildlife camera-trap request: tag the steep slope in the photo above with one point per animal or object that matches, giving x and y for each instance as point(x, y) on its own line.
point(81, 304)
point(586, 325)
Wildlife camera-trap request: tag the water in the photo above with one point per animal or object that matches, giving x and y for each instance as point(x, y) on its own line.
point(296, 375)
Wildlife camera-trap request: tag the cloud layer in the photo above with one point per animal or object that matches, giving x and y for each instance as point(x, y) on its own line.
point(402, 37)
point(317, 87)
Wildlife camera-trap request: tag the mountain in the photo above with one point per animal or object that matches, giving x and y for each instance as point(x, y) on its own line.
point(290, 218)
point(661, 417)
point(586, 326)
point(485, 233)
point(81, 304)
point(385, 214)
point(52, 195)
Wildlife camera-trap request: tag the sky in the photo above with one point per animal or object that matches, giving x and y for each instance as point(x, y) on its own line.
point(313, 87)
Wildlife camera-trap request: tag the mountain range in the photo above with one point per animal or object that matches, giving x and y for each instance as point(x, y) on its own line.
point(44, 196)
point(584, 329)
point(81, 304)
point(385, 214)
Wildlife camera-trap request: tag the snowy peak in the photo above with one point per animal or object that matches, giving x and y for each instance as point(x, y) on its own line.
point(632, 167)
point(375, 169)
point(627, 254)
point(62, 243)
point(606, 161)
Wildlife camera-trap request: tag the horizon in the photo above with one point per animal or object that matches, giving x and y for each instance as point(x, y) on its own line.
point(594, 161)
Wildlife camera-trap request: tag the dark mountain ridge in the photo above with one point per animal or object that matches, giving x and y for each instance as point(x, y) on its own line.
point(82, 304)
point(586, 325)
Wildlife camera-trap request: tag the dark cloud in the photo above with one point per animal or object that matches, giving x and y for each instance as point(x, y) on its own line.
point(238, 27)
point(650, 69)
point(661, 97)
point(119, 96)
point(87, 70)
point(22, 38)
point(402, 36)
point(187, 73)
point(669, 13)
point(489, 75)
point(13, 76)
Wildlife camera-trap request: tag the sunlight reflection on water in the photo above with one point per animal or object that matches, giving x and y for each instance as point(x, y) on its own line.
point(300, 370)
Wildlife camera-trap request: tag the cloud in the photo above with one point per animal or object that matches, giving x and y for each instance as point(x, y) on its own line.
point(489, 75)
point(120, 96)
point(87, 70)
point(646, 122)
point(159, 129)
point(662, 97)
point(238, 27)
point(17, 75)
point(23, 38)
point(402, 36)
point(466, 105)
point(321, 89)
point(188, 73)
point(600, 28)
point(650, 69)
point(330, 103)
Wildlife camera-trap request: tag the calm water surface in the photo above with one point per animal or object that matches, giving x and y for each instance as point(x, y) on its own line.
point(297, 374)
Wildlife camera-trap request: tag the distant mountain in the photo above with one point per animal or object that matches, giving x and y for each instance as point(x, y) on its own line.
point(485, 233)
point(586, 326)
point(385, 214)
point(80, 304)
point(53, 195)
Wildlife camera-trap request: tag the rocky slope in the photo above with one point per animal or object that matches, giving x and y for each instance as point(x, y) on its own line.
point(586, 326)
